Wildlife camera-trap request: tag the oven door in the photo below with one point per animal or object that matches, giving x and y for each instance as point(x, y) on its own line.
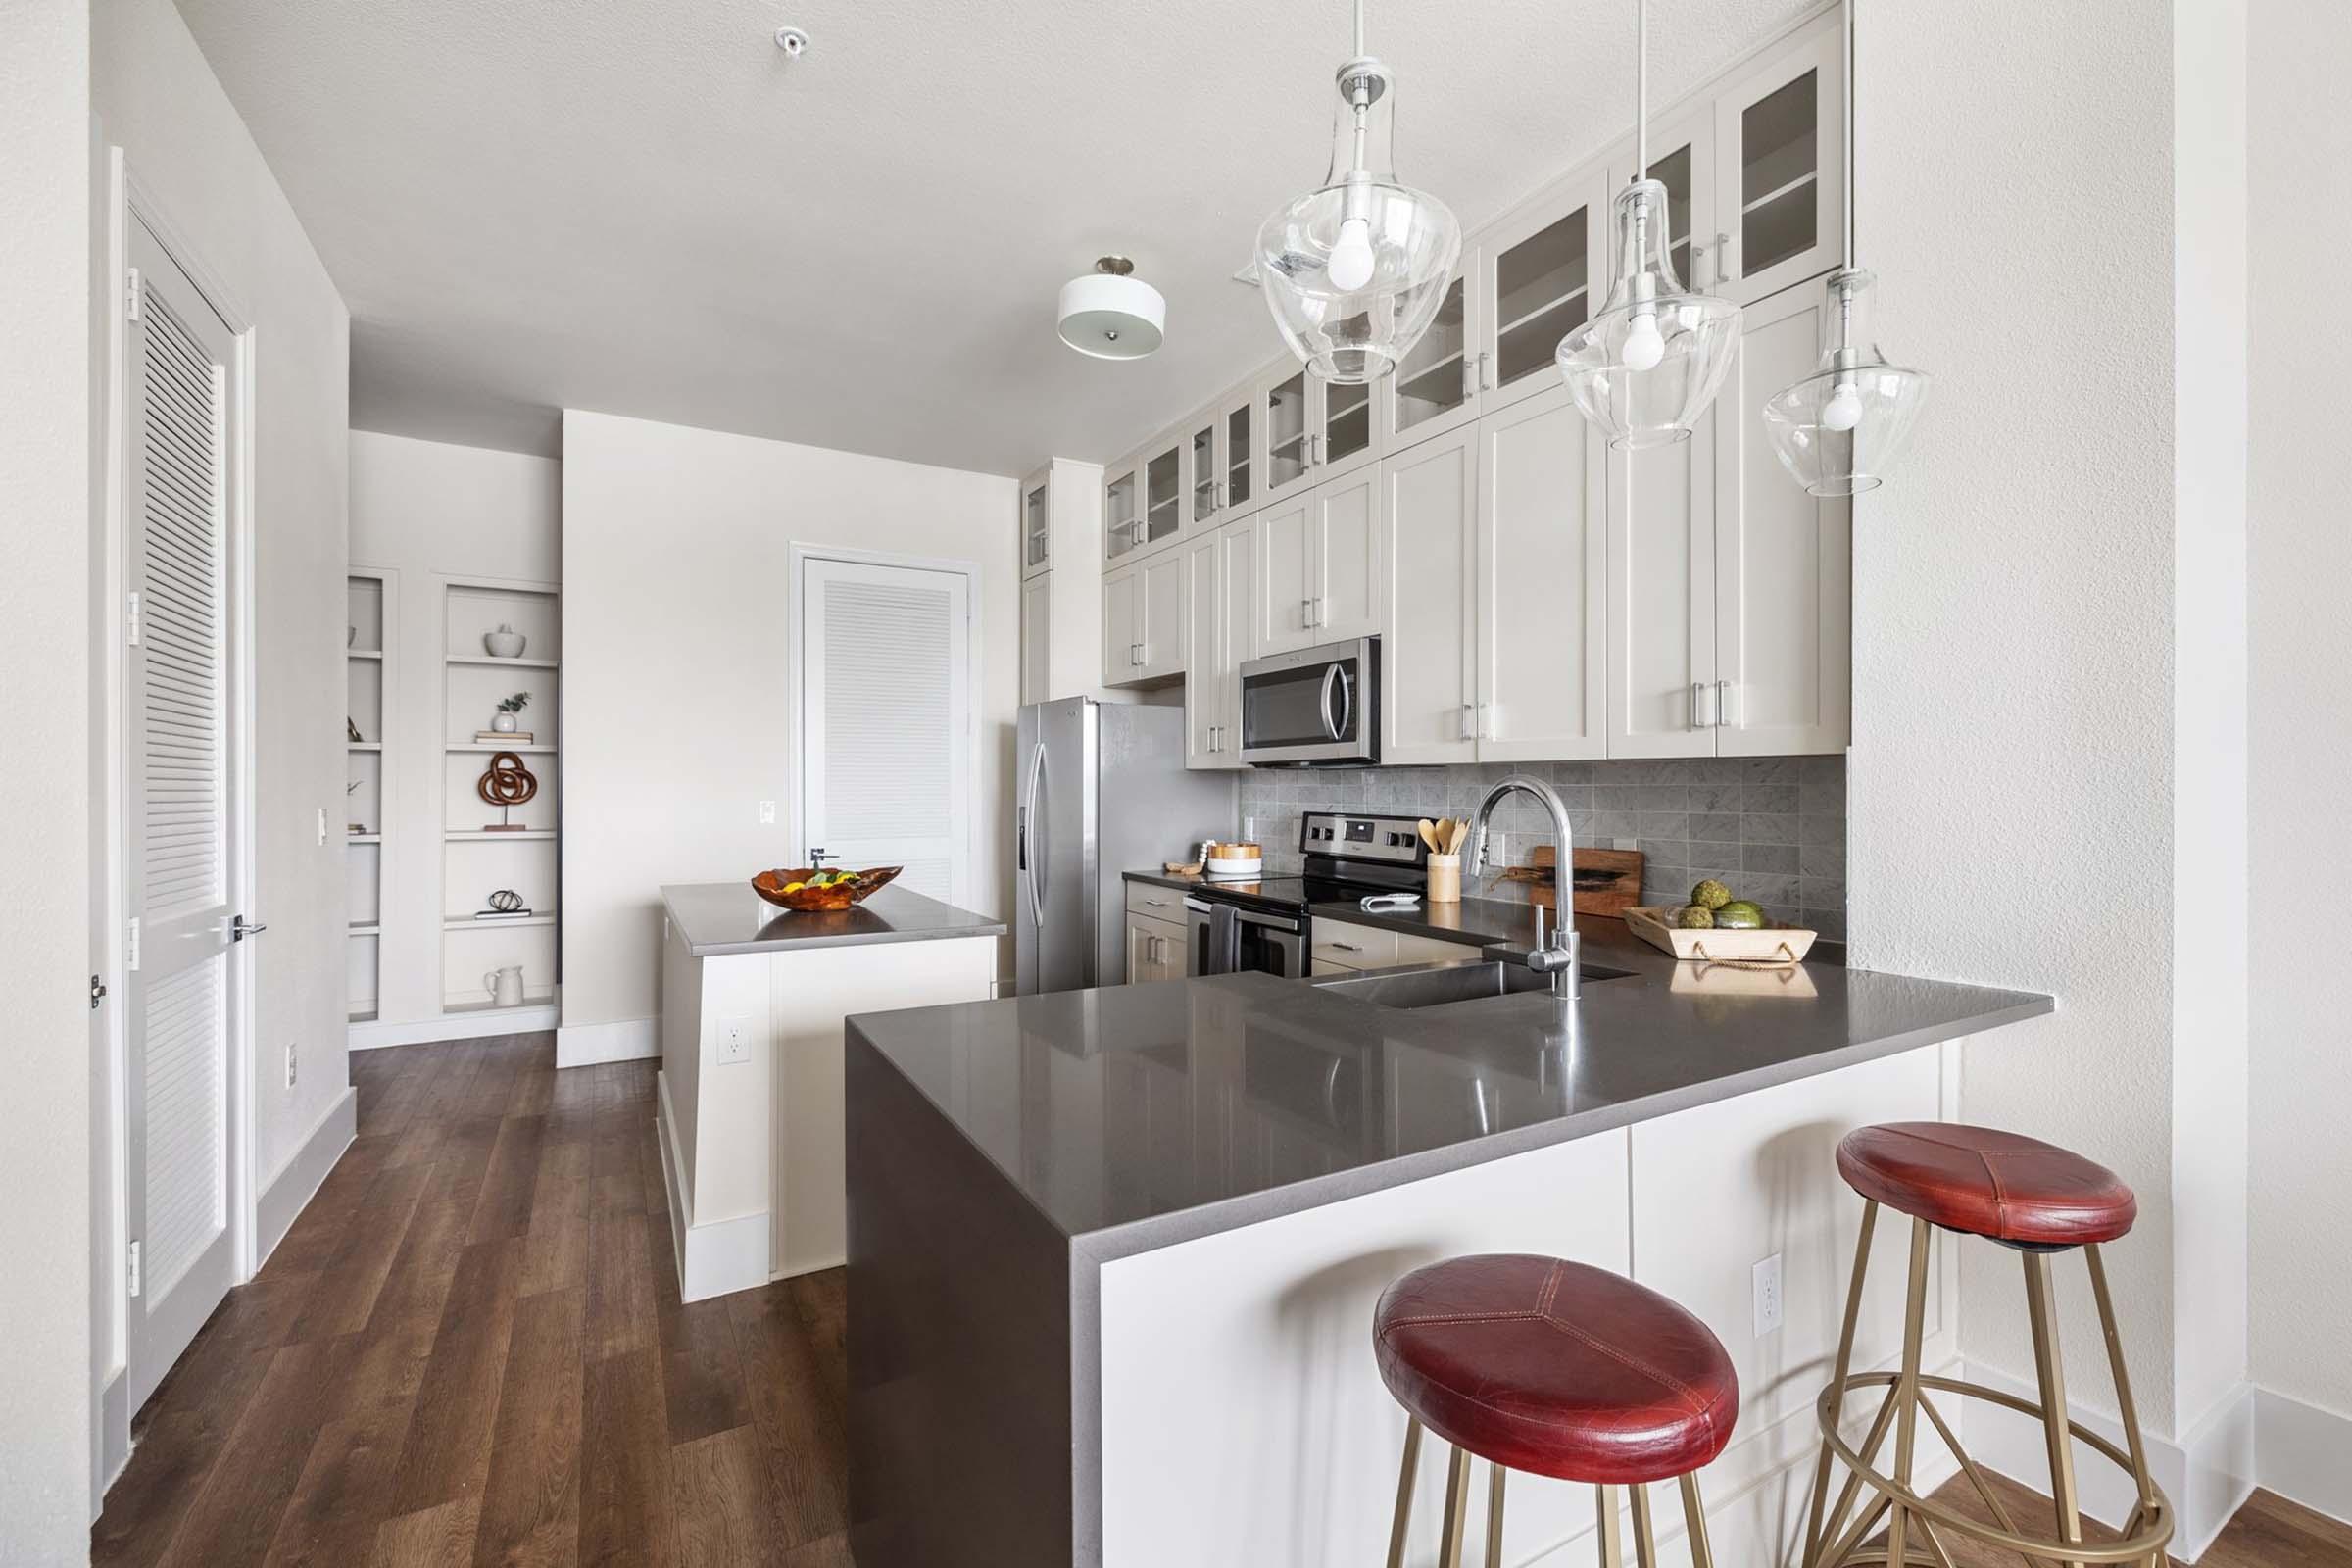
point(1254, 942)
point(1318, 706)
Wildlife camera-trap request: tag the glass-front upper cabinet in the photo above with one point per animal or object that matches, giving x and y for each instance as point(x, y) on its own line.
point(1344, 429)
point(1122, 510)
point(1539, 279)
point(1436, 387)
point(1200, 469)
point(1780, 147)
point(1239, 455)
point(1037, 524)
point(1285, 417)
point(1164, 494)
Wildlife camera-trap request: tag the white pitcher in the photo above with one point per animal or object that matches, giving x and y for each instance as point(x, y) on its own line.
point(504, 986)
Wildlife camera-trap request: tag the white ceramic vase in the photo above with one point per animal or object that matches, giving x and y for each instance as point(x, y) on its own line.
point(504, 986)
point(505, 643)
point(504, 723)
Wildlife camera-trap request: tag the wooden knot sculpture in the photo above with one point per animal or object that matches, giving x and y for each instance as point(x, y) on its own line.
point(506, 784)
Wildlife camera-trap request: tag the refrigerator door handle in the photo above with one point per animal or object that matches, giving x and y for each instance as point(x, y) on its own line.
point(1029, 871)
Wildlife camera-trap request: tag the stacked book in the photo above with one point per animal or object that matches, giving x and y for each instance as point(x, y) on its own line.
point(502, 736)
point(502, 914)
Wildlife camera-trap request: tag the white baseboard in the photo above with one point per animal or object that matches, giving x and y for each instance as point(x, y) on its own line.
point(581, 1045)
point(2207, 1474)
point(714, 1260)
point(2304, 1453)
point(375, 1036)
point(284, 1195)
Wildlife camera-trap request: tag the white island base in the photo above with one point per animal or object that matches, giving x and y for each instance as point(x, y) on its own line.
point(1244, 1420)
point(750, 1088)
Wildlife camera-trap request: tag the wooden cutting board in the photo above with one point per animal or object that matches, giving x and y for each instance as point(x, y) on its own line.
point(1607, 881)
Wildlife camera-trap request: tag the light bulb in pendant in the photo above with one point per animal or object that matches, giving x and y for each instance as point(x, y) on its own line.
point(1644, 347)
point(1350, 265)
point(1843, 410)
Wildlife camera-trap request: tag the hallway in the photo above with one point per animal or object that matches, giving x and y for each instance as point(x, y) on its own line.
point(469, 1349)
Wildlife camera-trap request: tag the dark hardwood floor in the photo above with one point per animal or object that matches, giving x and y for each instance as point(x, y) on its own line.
point(470, 1348)
point(2268, 1532)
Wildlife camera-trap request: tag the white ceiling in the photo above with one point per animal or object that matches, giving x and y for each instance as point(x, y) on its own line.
point(642, 207)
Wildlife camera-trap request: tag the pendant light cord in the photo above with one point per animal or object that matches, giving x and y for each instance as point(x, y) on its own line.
point(1641, 88)
point(1853, 117)
point(1359, 29)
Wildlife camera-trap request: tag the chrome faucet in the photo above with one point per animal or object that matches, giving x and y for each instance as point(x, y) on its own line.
point(1556, 958)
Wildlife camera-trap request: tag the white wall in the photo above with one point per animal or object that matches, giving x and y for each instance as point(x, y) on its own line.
point(190, 152)
point(2043, 784)
point(46, 471)
point(675, 638)
point(427, 510)
point(2302, 722)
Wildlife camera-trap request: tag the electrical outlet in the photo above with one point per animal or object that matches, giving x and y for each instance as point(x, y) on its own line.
point(1766, 1278)
point(1498, 850)
point(767, 813)
point(323, 824)
point(293, 1064)
point(734, 1040)
point(1249, 831)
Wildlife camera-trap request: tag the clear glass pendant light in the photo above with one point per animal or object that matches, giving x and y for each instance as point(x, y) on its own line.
point(1838, 430)
point(1645, 367)
point(1355, 272)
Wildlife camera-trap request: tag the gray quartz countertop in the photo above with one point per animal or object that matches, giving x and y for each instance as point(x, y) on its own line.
point(1314, 1096)
point(718, 918)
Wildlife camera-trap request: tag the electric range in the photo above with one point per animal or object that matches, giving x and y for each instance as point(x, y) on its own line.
point(1263, 926)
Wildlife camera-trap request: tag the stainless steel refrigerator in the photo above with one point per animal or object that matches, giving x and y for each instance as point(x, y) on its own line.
point(1103, 791)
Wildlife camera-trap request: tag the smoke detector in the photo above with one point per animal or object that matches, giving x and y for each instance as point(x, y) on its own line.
point(1109, 313)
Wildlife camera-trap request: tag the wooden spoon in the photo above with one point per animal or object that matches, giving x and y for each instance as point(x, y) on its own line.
point(1461, 836)
point(1444, 835)
point(1429, 834)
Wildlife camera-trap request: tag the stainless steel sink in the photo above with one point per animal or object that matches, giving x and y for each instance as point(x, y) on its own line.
point(1438, 987)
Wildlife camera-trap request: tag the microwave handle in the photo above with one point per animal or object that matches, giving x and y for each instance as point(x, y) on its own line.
point(1331, 676)
point(1347, 704)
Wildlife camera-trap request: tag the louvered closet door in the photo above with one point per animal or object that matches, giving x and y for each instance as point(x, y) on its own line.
point(177, 709)
point(886, 737)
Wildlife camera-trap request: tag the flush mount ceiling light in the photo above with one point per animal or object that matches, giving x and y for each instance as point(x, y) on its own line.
point(1648, 365)
point(1112, 315)
point(1838, 430)
point(1354, 270)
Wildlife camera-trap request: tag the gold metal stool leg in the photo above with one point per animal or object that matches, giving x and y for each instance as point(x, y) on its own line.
point(1495, 1515)
point(2149, 1498)
point(1906, 1391)
point(1610, 1532)
point(1404, 1492)
point(1845, 1361)
point(1457, 1509)
point(2050, 1370)
point(1694, 1520)
point(1646, 1536)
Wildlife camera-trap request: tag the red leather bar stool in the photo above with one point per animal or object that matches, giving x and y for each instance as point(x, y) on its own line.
point(1557, 1370)
point(2037, 1200)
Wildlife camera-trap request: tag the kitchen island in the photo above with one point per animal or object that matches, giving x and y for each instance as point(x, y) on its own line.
point(753, 999)
point(1113, 1253)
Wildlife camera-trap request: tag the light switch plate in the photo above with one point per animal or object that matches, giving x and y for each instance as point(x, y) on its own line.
point(767, 813)
point(734, 1040)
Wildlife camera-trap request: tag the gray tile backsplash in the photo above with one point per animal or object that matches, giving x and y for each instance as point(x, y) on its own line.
point(1772, 827)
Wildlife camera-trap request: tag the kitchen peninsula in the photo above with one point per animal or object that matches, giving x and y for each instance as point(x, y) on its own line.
point(1113, 1252)
point(753, 999)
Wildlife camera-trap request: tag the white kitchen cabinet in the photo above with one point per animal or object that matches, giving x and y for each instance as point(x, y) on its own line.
point(1157, 949)
point(1220, 568)
point(1122, 508)
point(1539, 275)
point(1320, 561)
point(1163, 478)
point(1036, 638)
point(1660, 615)
point(1143, 620)
point(1541, 554)
point(1429, 688)
point(1037, 522)
point(1220, 461)
point(1436, 387)
point(1282, 408)
point(1784, 602)
point(1781, 183)
point(1347, 435)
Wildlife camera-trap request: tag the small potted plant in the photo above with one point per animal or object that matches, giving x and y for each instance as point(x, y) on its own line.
point(507, 706)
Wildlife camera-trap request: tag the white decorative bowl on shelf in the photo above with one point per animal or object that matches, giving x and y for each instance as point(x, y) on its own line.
point(505, 643)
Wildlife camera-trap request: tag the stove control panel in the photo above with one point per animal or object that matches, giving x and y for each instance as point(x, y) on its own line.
point(1388, 839)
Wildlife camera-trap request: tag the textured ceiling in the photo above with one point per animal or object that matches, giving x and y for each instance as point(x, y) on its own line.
point(642, 207)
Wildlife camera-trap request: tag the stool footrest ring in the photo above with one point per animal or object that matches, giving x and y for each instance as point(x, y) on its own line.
point(2154, 1515)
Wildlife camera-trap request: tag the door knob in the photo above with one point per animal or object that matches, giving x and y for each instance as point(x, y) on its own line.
point(240, 928)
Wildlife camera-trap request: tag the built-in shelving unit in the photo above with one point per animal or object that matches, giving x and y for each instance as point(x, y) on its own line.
point(486, 848)
point(368, 683)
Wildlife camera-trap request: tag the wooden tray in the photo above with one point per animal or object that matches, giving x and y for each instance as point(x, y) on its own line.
point(1771, 947)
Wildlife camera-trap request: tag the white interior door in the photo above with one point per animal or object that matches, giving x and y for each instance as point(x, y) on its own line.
point(179, 789)
point(886, 731)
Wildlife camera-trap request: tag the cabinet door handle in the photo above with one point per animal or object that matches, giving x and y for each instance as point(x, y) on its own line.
point(1469, 722)
point(1698, 703)
point(1307, 614)
point(1723, 265)
point(1135, 654)
point(1723, 704)
point(1469, 376)
point(1485, 381)
point(1345, 947)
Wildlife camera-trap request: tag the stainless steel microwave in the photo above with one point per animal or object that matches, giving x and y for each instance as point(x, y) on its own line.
point(1316, 708)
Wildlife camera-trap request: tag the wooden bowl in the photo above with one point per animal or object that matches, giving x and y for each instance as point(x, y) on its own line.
point(770, 885)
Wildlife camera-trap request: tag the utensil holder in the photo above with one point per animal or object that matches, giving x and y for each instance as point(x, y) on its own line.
point(1446, 879)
